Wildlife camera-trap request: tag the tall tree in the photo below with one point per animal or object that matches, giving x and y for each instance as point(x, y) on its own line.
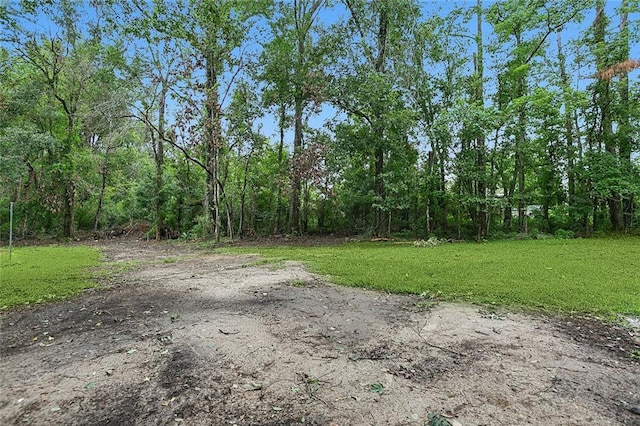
point(276, 71)
point(305, 14)
point(624, 115)
point(293, 62)
point(247, 143)
point(370, 96)
point(527, 26)
point(604, 133)
point(154, 71)
point(569, 119)
point(480, 186)
point(209, 37)
point(433, 80)
point(68, 59)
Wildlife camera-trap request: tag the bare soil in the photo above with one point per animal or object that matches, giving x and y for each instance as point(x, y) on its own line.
point(177, 335)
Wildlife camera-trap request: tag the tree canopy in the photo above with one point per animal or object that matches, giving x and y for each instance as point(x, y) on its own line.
point(237, 118)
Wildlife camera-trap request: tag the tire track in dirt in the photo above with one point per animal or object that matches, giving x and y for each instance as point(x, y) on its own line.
point(189, 337)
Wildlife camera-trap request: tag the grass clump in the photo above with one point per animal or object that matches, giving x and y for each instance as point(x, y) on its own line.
point(38, 274)
point(581, 275)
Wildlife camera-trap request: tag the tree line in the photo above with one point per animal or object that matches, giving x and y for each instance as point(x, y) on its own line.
point(233, 118)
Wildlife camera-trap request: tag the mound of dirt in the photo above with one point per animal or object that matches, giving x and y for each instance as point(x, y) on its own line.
point(182, 336)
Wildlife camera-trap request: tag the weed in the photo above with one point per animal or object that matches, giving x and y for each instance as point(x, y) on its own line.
point(311, 384)
point(298, 283)
point(377, 388)
point(425, 305)
point(435, 419)
point(421, 306)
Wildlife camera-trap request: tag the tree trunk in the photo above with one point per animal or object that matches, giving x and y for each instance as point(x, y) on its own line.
point(508, 213)
point(32, 181)
point(304, 226)
point(568, 125)
point(229, 210)
point(379, 187)
point(243, 194)
point(624, 126)
point(214, 143)
point(103, 187)
point(520, 176)
point(69, 184)
point(159, 161)
point(431, 191)
point(304, 16)
point(69, 207)
point(606, 135)
point(480, 187)
point(297, 151)
point(379, 192)
point(278, 218)
point(521, 134)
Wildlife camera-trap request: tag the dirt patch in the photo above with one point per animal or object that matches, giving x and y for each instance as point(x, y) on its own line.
point(182, 336)
point(620, 341)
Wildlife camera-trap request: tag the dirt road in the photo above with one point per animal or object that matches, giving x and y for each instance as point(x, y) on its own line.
point(184, 336)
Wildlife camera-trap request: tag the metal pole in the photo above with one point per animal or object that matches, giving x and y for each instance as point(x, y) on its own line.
point(10, 229)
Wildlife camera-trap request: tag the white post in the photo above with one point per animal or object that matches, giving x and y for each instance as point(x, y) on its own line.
point(10, 229)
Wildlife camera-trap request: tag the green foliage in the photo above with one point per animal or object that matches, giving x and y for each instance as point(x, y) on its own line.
point(561, 233)
point(376, 388)
point(39, 274)
point(436, 419)
point(418, 142)
point(594, 276)
point(608, 175)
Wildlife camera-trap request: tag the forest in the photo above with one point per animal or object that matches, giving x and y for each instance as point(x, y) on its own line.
point(229, 119)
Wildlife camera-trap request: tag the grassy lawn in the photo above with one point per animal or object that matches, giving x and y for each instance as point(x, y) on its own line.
point(37, 274)
point(595, 275)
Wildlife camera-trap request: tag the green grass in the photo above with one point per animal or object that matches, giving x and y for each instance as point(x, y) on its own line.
point(600, 276)
point(38, 274)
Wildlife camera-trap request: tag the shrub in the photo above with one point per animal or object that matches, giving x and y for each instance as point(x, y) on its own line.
point(562, 233)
